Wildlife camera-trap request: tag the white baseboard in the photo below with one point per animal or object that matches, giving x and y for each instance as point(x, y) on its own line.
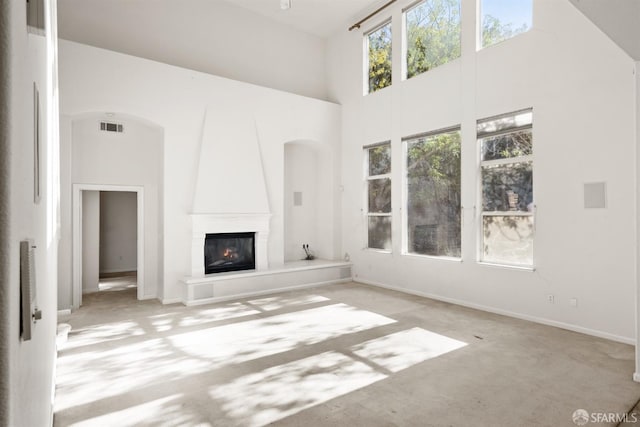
point(64, 312)
point(636, 377)
point(540, 320)
point(264, 292)
point(171, 301)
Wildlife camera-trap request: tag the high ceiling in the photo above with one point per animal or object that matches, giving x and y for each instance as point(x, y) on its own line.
point(619, 19)
point(319, 17)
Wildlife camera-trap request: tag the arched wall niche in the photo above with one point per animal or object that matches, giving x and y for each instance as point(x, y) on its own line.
point(308, 199)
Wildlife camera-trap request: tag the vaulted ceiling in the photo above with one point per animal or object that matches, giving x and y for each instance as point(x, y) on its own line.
point(618, 19)
point(319, 17)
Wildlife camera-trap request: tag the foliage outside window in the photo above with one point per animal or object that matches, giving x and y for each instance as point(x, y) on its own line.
point(507, 189)
point(432, 35)
point(503, 19)
point(433, 194)
point(378, 46)
point(379, 196)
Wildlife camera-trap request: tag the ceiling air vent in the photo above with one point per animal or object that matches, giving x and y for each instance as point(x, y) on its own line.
point(111, 127)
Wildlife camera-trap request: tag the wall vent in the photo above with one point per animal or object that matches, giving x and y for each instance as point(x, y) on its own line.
point(111, 127)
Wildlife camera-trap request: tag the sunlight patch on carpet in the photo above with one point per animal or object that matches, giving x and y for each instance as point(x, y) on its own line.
point(264, 397)
point(401, 350)
point(103, 333)
point(240, 342)
point(224, 312)
point(165, 411)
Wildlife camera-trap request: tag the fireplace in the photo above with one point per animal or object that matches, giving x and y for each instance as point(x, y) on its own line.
point(229, 252)
point(203, 225)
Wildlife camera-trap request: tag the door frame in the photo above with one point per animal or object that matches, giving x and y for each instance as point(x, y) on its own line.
point(76, 218)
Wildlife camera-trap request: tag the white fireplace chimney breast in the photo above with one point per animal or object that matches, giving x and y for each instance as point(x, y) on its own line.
point(230, 173)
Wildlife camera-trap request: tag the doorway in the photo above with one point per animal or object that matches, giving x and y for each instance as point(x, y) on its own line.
point(118, 233)
point(108, 244)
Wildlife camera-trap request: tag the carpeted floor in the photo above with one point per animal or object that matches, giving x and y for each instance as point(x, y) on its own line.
point(339, 355)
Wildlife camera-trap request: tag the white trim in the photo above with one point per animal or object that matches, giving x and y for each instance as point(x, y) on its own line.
point(534, 319)
point(433, 257)
point(529, 268)
point(290, 267)
point(259, 293)
point(636, 377)
point(64, 312)
point(171, 301)
point(507, 161)
point(76, 213)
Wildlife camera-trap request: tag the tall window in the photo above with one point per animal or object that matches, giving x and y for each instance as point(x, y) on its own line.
point(432, 35)
point(507, 188)
point(378, 47)
point(503, 19)
point(379, 196)
point(433, 194)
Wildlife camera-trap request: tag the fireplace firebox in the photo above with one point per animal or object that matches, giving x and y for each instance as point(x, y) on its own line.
point(229, 252)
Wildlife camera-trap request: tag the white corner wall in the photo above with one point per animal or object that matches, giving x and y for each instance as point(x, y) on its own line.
point(118, 231)
point(27, 367)
point(581, 87)
point(97, 80)
point(214, 37)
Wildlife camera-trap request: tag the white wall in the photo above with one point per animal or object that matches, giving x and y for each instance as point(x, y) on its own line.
point(581, 87)
point(118, 231)
point(27, 367)
point(300, 175)
point(90, 241)
point(176, 99)
point(211, 36)
point(133, 157)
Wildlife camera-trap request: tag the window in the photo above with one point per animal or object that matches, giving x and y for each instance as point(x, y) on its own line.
point(432, 35)
point(379, 196)
point(507, 189)
point(503, 19)
point(378, 47)
point(433, 214)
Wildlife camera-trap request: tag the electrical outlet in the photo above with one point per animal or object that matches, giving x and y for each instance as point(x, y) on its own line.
point(551, 299)
point(573, 302)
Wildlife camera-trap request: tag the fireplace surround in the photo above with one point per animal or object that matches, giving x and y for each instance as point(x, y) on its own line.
point(204, 224)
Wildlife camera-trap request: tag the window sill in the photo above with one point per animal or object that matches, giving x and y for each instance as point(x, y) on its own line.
point(434, 257)
point(378, 251)
point(508, 267)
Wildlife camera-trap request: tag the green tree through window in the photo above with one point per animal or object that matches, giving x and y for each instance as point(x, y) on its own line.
point(433, 194)
point(379, 70)
point(433, 35)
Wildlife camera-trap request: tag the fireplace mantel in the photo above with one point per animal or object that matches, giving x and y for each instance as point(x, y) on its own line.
point(201, 224)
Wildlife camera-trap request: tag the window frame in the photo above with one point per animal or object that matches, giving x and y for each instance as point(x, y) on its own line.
point(367, 179)
point(405, 194)
point(365, 55)
point(480, 137)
